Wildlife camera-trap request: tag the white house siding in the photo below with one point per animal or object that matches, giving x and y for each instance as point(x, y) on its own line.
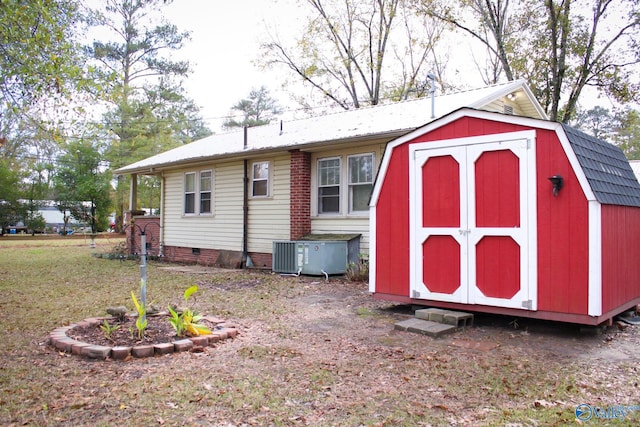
point(343, 226)
point(222, 229)
point(269, 216)
point(498, 106)
point(343, 223)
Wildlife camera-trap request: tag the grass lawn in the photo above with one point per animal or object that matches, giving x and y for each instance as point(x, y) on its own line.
point(309, 353)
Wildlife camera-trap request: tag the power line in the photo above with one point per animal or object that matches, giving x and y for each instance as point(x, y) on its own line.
point(207, 119)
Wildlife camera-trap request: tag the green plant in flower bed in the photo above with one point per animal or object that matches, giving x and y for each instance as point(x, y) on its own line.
point(187, 321)
point(141, 321)
point(108, 329)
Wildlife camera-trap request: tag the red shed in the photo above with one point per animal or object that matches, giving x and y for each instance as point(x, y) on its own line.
point(494, 213)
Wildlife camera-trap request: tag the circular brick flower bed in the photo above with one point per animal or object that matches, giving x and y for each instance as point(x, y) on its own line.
point(60, 339)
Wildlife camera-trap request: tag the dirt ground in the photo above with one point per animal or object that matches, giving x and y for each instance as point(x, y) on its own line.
point(309, 353)
point(327, 307)
point(312, 352)
point(512, 364)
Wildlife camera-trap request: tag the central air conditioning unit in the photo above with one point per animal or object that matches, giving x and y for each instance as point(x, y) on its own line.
point(284, 257)
point(316, 257)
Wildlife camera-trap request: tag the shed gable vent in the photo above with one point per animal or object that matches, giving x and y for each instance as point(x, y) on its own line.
point(508, 109)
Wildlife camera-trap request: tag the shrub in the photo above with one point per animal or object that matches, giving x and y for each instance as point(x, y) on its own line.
point(359, 272)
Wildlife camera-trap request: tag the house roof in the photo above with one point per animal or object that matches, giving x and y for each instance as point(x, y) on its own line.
point(382, 121)
point(608, 171)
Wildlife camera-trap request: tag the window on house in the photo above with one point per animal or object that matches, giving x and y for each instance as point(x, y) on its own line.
point(198, 188)
point(260, 179)
point(360, 181)
point(205, 192)
point(190, 193)
point(329, 185)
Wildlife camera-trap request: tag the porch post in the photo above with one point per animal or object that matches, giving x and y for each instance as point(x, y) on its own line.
point(133, 193)
point(128, 215)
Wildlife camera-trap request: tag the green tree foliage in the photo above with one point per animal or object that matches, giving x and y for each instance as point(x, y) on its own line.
point(43, 80)
point(35, 222)
point(82, 184)
point(38, 52)
point(621, 127)
point(29, 142)
point(27, 162)
point(41, 69)
point(559, 47)
point(355, 53)
point(259, 109)
point(149, 111)
point(628, 132)
point(11, 210)
point(597, 121)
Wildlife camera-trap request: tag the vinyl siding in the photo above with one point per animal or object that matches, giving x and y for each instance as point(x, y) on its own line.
point(343, 223)
point(268, 217)
point(498, 105)
point(343, 226)
point(222, 229)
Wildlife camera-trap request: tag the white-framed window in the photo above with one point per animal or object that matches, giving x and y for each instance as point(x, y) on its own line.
point(344, 184)
point(260, 174)
point(360, 175)
point(198, 192)
point(189, 193)
point(329, 174)
point(206, 181)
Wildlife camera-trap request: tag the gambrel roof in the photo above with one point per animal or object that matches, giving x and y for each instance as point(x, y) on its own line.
point(603, 170)
point(378, 122)
point(608, 171)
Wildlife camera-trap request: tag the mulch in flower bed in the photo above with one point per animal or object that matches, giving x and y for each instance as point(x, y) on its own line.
point(158, 331)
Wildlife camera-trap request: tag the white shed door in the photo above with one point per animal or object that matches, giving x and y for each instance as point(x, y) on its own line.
point(473, 232)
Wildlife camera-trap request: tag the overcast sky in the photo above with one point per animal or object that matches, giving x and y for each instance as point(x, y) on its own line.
point(225, 40)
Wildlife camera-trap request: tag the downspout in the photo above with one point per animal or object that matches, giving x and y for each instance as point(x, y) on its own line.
point(161, 250)
point(245, 205)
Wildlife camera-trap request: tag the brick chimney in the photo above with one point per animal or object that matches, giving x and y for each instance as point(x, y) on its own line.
point(300, 207)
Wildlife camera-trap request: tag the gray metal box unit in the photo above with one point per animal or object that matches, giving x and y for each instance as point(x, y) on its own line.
point(316, 257)
point(320, 257)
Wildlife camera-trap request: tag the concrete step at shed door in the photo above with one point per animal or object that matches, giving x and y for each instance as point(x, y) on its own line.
point(435, 322)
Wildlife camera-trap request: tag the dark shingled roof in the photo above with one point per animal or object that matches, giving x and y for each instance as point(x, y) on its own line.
point(607, 169)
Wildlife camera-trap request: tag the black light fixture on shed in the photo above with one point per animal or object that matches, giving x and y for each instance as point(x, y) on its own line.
point(557, 182)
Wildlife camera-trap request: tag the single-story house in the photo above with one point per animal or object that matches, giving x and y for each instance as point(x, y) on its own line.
point(511, 215)
point(231, 196)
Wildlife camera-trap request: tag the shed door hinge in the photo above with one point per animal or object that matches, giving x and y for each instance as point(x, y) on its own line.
point(415, 294)
point(527, 304)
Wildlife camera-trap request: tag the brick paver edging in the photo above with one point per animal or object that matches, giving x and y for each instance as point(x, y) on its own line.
point(59, 339)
